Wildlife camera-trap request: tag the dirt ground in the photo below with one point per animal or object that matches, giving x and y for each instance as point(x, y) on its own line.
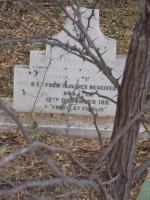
point(32, 166)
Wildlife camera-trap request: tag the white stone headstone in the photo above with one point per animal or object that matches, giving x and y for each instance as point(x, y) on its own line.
point(56, 79)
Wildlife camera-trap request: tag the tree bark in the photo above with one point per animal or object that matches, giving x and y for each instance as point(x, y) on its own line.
point(131, 99)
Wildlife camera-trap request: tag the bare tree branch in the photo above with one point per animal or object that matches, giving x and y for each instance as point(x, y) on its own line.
point(120, 134)
point(82, 183)
point(97, 58)
point(94, 120)
point(37, 145)
point(99, 95)
point(15, 119)
point(138, 172)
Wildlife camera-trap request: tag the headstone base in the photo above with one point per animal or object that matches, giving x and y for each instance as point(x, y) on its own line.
point(57, 124)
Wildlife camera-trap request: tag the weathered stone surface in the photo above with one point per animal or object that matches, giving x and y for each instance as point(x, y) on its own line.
point(55, 80)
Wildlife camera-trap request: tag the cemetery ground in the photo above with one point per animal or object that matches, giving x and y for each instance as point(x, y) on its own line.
point(117, 23)
point(30, 166)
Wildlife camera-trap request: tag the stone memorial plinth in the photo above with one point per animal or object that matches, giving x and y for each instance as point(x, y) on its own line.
point(55, 80)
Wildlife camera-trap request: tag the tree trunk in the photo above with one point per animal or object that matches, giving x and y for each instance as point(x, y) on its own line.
point(131, 99)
